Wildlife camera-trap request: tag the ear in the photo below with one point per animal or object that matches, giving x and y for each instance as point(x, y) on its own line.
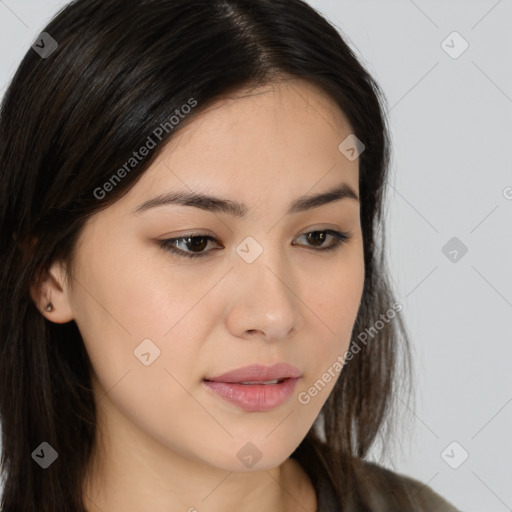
point(53, 288)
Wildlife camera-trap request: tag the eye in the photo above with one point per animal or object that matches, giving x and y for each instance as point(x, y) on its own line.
point(195, 243)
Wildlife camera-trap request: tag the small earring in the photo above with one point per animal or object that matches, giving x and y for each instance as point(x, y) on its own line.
point(49, 307)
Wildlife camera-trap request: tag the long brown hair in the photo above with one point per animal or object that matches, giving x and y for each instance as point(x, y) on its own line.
point(99, 80)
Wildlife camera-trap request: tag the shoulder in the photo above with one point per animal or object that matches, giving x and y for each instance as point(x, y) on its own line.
point(352, 484)
point(387, 490)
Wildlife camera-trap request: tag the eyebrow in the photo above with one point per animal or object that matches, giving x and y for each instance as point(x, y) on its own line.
point(239, 210)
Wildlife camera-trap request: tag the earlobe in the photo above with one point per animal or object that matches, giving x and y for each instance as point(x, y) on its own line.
point(52, 296)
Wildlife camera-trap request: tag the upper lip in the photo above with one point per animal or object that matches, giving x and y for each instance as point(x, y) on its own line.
point(258, 372)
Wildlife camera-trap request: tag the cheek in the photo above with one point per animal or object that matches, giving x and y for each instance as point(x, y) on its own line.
point(141, 374)
point(336, 296)
point(129, 319)
point(334, 302)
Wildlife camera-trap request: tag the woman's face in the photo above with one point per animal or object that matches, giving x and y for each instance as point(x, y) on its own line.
point(156, 324)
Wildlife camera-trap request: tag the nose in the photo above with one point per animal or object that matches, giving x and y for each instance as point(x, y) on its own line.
point(266, 298)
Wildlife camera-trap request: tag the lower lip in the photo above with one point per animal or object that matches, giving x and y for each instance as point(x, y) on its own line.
point(254, 397)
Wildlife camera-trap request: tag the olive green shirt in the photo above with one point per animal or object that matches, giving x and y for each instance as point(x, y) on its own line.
point(376, 489)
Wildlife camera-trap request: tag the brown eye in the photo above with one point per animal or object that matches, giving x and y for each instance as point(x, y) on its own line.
point(317, 238)
point(194, 243)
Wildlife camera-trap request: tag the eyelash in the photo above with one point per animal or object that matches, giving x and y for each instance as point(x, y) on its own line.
point(340, 238)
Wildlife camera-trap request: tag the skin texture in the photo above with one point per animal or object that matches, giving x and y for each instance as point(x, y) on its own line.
point(166, 442)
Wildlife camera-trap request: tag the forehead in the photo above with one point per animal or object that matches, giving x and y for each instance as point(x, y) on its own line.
point(274, 142)
point(274, 106)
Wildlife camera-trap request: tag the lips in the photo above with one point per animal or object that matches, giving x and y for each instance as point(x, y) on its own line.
point(254, 388)
point(258, 374)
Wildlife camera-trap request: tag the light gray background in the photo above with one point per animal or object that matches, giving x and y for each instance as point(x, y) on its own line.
point(451, 177)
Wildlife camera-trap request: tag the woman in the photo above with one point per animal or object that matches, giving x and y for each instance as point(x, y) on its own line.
point(190, 198)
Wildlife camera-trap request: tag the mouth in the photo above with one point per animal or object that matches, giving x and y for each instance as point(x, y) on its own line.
point(255, 388)
point(275, 381)
point(258, 374)
point(249, 383)
point(254, 396)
